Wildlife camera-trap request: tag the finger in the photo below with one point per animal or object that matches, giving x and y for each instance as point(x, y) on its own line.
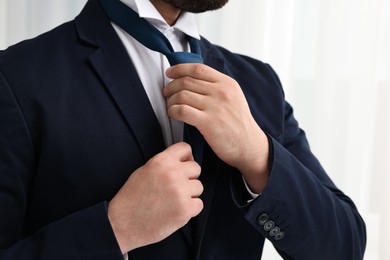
point(189, 98)
point(196, 71)
point(196, 206)
point(192, 170)
point(180, 150)
point(196, 188)
point(186, 113)
point(186, 83)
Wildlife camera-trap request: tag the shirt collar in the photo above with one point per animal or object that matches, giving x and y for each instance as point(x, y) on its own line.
point(185, 23)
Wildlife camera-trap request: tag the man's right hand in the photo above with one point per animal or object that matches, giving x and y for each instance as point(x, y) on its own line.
point(157, 199)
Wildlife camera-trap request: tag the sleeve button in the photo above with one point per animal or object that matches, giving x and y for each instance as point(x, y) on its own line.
point(269, 225)
point(279, 236)
point(262, 219)
point(274, 231)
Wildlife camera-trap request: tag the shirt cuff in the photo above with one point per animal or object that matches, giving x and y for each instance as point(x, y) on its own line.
point(253, 195)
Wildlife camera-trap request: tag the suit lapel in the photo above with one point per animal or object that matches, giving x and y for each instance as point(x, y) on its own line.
point(120, 79)
point(123, 84)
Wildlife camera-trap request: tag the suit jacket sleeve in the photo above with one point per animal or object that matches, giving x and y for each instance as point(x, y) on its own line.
point(74, 236)
point(314, 218)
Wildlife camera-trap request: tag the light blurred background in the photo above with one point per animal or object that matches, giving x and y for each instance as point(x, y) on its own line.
point(333, 58)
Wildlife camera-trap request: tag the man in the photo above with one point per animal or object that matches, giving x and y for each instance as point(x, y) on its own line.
point(93, 165)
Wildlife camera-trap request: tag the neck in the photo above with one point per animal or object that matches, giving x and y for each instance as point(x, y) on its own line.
point(169, 12)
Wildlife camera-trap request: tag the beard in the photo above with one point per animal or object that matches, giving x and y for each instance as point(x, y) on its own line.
point(197, 6)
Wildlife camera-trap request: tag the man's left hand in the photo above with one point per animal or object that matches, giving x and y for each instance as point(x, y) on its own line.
point(215, 104)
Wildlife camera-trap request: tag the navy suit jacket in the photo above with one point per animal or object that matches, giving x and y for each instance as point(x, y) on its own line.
point(75, 122)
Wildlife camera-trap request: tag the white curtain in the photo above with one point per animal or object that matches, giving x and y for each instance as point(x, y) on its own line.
point(21, 19)
point(333, 58)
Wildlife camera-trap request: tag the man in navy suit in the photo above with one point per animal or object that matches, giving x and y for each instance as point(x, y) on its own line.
point(92, 167)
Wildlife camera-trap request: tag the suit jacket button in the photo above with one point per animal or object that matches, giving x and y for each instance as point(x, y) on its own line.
point(279, 235)
point(274, 231)
point(269, 225)
point(262, 219)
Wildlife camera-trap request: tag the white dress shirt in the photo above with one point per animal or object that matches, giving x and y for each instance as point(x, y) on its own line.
point(151, 65)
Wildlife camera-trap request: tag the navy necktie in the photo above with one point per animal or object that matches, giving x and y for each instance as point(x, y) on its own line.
point(152, 38)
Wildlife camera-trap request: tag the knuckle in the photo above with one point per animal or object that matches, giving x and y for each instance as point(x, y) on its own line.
point(225, 94)
point(187, 147)
point(183, 145)
point(186, 81)
point(198, 206)
point(201, 188)
point(182, 111)
point(182, 96)
point(199, 70)
point(197, 189)
point(201, 205)
point(233, 83)
point(156, 161)
point(178, 111)
point(197, 167)
point(196, 170)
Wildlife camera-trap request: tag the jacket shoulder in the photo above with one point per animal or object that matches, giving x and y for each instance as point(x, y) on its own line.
point(48, 41)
